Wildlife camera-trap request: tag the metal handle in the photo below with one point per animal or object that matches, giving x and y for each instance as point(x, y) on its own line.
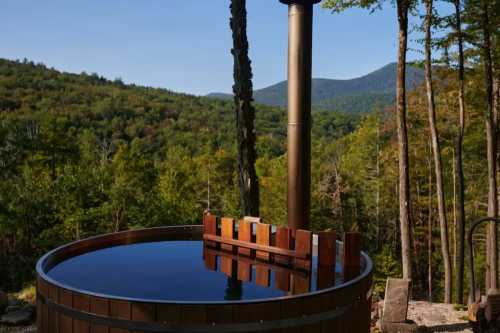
point(472, 285)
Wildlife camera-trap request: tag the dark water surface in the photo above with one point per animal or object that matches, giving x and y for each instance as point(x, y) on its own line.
point(168, 270)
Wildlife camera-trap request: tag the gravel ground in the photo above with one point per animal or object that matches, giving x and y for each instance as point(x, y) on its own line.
point(439, 317)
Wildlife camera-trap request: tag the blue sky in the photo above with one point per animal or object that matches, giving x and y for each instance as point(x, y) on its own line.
point(184, 45)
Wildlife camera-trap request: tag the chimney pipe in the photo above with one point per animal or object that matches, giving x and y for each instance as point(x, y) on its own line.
point(300, 19)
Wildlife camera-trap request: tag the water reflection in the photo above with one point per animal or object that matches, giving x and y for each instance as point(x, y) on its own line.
point(241, 269)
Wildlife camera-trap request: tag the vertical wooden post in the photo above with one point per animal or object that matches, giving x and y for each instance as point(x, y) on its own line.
point(263, 238)
point(245, 235)
point(227, 231)
point(210, 227)
point(283, 241)
point(262, 274)
point(351, 256)
point(327, 257)
point(327, 248)
point(303, 245)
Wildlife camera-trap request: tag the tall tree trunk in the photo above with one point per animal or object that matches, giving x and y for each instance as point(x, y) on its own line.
point(436, 150)
point(245, 112)
point(460, 184)
point(429, 229)
point(491, 139)
point(377, 195)
point(404, 177)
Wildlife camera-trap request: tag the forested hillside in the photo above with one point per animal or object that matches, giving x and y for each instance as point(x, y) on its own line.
point(80, 155)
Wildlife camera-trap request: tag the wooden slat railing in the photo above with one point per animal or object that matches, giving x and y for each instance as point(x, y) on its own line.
point(285, 251)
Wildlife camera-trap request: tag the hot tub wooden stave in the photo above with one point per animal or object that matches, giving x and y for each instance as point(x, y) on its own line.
point(63, 309)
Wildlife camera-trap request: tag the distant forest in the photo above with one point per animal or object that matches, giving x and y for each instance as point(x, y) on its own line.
point(81, 155)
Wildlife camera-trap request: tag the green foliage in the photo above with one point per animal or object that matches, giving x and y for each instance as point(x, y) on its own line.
point(80, 155)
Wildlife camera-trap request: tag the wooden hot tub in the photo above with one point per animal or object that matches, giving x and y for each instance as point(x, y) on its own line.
point(344, 307)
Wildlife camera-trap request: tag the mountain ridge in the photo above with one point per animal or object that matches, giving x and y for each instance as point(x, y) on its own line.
point(373, 89)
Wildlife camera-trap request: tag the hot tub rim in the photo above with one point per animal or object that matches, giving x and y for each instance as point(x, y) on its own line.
point(366, 260)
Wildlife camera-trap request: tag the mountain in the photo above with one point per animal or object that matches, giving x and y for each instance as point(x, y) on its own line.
point(353, 95)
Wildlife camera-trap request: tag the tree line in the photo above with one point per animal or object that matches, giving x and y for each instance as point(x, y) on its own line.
point(82, 155)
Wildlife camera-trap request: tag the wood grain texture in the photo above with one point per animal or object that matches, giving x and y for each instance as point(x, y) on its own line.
point(227, 232)
point(53, 315)
point(263, 238)
point(65, 323)
point(204, 314)
point(326, 277)
point(351, 255)
point(210, 227)
point(99, 306)
point(327, 249)
point(303, 246)
point(81, 302)
point(120, 310)
point(283, 241)
point(245, 235)
point(168, 313)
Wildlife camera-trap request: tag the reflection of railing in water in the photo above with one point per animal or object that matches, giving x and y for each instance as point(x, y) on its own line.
point(241, 268)
point(287, 253)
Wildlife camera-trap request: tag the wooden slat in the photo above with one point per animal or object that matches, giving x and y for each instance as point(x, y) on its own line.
point(351, 255)
point(292, 309)
point(219, 314)
point(327, 249)
point(263, 238)
point(120, 310)
point(326, 277)
point(82, 303)
point(39, 307)
point(53, 315)
point(45, 319)
point(245, 235)
point(65, 323)
point(270, 249)
point(210, 227)
point(99, 306)
point(195, 314)
point(227, 232)
point(312, 305)
point(303, 246)
point(169, 313)
point(283, 241)
point(145, 312)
